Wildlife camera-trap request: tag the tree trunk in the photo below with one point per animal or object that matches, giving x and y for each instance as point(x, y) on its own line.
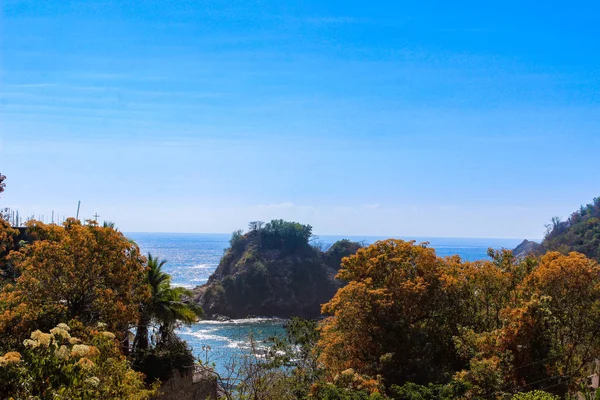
point(141, 341)
point(166, 334)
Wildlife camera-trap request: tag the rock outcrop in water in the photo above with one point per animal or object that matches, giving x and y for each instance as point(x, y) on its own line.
point(273, 271)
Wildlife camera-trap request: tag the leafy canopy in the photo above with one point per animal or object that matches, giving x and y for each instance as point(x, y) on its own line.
point(490, 327)
point(75, 271)
point(280, 234)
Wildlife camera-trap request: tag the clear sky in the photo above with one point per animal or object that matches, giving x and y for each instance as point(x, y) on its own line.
point(460, 119)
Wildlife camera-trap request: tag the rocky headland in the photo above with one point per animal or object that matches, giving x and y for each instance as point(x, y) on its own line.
point(273, 271)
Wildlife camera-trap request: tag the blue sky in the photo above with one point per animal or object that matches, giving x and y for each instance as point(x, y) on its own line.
point(459, 119)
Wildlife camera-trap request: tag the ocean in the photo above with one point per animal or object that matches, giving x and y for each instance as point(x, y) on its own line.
point(192, 258)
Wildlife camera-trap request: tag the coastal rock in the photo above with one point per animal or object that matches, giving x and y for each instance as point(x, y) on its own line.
point(221, 318)
point(273, 272)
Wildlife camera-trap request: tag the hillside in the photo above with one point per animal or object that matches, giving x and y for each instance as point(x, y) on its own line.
point(580, 233)
point(273, 271)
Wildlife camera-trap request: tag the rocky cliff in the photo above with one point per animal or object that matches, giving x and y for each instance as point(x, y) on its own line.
point(273, 271)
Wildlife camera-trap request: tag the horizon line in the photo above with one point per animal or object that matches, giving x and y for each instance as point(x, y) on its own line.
point(342, 235)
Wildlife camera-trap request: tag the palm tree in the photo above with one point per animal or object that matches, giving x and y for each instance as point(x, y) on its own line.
point(164, 307)
point(109, 224)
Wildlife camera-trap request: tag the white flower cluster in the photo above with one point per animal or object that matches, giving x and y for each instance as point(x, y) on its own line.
point(93, 381)
point(108, 335)
point(62, 353)
point(60, 332)
point(38, 338)
point(80, 350)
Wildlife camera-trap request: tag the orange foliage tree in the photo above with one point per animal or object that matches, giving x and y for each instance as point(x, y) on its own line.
point(498, 326)
point(549, 339)
point(388, 319)
point(76, 271)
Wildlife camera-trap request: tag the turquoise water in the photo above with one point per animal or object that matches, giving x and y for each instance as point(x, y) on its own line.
point(193, 257)
point(228, 339)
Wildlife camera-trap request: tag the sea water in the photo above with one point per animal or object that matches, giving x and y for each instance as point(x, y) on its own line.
point(192, 258)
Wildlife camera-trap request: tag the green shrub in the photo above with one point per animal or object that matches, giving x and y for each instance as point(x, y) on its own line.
point(413, 391)
point(236, 238)
point(339, 250)
point(329, 391)
point(280, 234)
point(159, 363)
point(535, 395)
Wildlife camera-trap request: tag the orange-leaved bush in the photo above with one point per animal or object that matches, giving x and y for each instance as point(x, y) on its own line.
point(549, 337)
point(494, 326)
point(75, 271)
point(388, 320)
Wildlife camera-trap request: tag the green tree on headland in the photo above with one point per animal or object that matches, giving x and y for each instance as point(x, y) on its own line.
point(285, 235)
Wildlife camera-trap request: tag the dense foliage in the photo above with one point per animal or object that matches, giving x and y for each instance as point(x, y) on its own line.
point(57, 365)
point(162, 360)
point(495, 327)
point(2, 184)
point(389, 320)
point(95, 279)
point(76, 271)
point(339, 250)
point(407, 324)
point(285, 235)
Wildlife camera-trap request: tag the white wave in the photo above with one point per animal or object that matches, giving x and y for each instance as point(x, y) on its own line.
point(202, 266)
point(238, 344)
point(183, 285)
point(241, 321)
point(205, 334)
